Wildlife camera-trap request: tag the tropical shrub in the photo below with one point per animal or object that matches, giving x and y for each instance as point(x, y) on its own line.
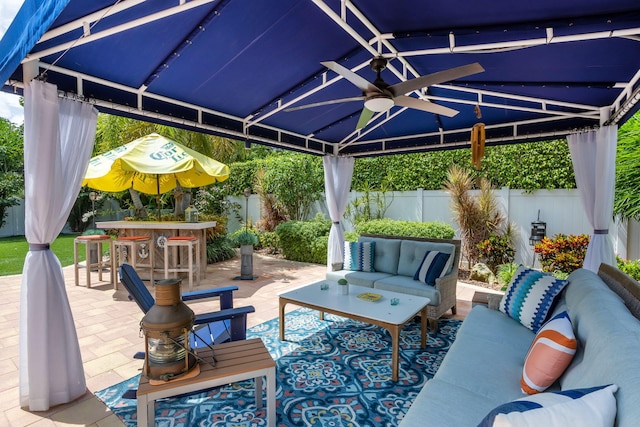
point(211, 200)
point(564, 253)
point(505, 273)
point(495, 251)
point(430, 230)
point(477, 216)
point(303, 240)
point(219, 249)
point(351, 236)
point(296, 181)
point(272, 211)
point(632, 268)
point(269, 240)
point(371, 205)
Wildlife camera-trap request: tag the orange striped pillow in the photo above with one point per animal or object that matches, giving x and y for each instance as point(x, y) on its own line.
point(549, 355)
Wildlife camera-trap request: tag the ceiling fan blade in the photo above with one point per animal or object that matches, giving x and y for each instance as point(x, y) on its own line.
point(435, 78)
point(418, 104)
point(360, 82)
point(365, 116)
point(331, 101)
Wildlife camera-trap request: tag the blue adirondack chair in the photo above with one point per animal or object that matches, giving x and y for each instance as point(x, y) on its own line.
point(227, 324)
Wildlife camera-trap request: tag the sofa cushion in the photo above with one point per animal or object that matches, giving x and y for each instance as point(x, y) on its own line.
point(358, 256)
point(608, 343)
point(386, 254)
point(406, 285)
point(530, 296)
point(432, 267)
point(360, 278)
point(439, 404)
point(412, 253)
point(549, 355)
point(489, 348)
point(595, 406)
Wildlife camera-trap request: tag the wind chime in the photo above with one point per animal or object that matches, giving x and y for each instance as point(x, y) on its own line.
point(477, 141)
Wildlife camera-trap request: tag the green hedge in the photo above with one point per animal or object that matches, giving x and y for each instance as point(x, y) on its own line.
point(539, 165)
point(430, 230)
point(305, 241)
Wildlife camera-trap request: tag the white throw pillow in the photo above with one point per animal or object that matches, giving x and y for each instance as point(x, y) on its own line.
point(587, 407)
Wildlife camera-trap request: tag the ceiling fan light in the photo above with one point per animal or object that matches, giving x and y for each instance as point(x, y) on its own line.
point(378, 104)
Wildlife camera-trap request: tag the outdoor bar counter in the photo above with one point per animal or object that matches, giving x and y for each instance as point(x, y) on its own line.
point(160, 231)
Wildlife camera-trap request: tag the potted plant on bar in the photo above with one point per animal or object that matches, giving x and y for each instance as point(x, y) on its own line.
point(343, 286)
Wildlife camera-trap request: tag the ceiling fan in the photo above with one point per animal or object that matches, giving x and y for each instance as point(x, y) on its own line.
point(379, 96)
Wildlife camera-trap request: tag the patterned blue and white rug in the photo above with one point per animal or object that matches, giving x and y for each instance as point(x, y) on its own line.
point(330, 373)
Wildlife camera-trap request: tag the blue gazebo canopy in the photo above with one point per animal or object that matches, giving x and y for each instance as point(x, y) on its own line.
point(232, 68)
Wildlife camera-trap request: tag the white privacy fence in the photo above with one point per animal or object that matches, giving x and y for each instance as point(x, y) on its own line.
point(560, 209)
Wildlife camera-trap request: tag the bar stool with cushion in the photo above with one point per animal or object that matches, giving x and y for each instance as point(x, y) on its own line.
point(176, 244)
point(88, 241)
point(134, 250)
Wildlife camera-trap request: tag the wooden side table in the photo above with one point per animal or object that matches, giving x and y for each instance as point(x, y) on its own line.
point(491, 300)
point(235, 361)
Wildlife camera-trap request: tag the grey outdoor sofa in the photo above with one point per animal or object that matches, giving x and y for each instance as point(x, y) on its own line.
point(396, 260)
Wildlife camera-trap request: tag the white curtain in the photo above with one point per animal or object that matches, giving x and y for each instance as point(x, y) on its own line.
point(594, 163)
point(58, 140)
point(338, 172)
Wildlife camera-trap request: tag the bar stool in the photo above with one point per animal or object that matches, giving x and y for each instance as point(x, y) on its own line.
point(134, 250)
point(192, 245)
point(88, 241)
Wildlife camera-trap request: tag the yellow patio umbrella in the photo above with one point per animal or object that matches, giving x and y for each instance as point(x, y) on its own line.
point(152, 165)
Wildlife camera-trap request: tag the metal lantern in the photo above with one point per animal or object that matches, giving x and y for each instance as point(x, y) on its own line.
point(538, 231)
point(166, 328)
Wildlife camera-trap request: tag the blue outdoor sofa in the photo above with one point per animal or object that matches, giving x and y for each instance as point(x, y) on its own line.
point(482, 370)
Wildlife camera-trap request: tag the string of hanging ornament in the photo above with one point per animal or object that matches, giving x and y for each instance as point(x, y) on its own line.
point(477, 140)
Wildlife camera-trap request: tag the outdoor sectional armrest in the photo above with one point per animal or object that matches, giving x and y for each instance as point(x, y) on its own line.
point(445, 282)
point(447, 285)
point(225, 294)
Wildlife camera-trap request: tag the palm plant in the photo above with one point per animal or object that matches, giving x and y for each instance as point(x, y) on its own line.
point(477, 217)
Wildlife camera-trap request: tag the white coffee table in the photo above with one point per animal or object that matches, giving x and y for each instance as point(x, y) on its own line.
point(380, 313)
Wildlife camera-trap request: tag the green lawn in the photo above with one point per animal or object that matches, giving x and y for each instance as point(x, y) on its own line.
point(14, 249)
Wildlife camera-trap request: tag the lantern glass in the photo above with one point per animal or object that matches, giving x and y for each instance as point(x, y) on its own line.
point(166, 350)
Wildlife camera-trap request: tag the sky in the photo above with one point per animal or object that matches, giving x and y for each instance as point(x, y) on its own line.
point(9, 104)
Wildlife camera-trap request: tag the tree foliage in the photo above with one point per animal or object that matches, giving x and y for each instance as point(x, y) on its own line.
point(11, 166)
point(297, 182)
point(627, 200)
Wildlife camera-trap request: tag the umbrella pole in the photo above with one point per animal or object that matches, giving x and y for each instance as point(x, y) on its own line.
point(158, 196)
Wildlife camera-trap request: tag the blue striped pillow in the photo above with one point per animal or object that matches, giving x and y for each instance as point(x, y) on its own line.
point(530, 297)
point(432, 267)
point(358, 256)
point(595, 406)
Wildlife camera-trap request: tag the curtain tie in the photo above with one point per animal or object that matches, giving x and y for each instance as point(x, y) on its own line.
point(602, 231)
point(336, 222)
point(38, 246)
